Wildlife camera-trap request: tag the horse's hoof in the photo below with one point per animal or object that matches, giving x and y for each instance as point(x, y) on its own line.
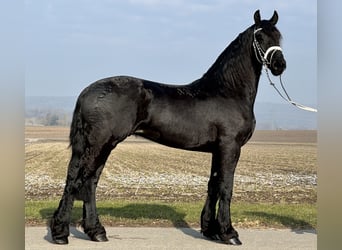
point(99, 238)
point(61, 241)
point(213, 237)
point(234, 241)
point(210, 234)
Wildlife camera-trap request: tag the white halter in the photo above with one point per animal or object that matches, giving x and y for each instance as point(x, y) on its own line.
point(261, 55)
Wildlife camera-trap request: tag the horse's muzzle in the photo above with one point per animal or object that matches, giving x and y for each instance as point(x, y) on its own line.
point(278, 64)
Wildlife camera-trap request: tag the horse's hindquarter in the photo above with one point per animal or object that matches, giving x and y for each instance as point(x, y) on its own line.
point(116, 105)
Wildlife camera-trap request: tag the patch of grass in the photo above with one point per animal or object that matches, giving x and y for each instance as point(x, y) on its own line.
point(294, 216)
point(180, 214)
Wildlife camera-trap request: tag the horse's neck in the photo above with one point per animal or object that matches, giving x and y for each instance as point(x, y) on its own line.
point(236, 71)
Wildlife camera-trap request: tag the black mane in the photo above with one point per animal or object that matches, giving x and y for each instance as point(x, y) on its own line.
point(231, 56)
point(230, 75)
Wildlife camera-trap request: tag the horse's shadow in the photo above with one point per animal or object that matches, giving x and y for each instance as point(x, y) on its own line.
point(74, 232)
point(159, 212)
point(296, 225)
point(154, 212)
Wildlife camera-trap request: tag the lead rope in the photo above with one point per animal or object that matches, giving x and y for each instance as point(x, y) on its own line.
point(259, 52)
point(287, 98)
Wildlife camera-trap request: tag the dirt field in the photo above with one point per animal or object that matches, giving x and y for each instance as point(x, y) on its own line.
point(275, 166)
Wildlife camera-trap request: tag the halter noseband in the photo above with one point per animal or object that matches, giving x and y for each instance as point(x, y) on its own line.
point(260, 54)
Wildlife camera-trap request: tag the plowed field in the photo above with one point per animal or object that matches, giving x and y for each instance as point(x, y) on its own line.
point(275, 166)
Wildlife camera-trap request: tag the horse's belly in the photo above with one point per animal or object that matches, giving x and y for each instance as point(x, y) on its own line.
point(185, 137)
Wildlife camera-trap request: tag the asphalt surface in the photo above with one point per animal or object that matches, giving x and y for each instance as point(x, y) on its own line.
point(172, 238)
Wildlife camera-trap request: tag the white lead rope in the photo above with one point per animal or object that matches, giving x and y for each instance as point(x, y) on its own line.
point(287, 98)
point(261, 56)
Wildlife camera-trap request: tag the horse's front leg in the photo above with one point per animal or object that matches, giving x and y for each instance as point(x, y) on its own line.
point(209, 225)
point(229, 154)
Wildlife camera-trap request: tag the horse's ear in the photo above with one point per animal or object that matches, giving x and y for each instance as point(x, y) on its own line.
point(257, 18)
point(274, 18)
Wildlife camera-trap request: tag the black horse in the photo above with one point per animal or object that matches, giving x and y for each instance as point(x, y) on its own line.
point(212, 114)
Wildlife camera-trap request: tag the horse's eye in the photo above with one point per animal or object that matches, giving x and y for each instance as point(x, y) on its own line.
point(259, 38)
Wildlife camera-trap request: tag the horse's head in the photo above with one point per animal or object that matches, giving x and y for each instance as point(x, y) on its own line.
point(266, 43)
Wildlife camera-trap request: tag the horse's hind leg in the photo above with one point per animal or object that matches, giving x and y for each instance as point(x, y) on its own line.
point(84, 170)
point(97, 158)
point(59, 223)
point(91, 223)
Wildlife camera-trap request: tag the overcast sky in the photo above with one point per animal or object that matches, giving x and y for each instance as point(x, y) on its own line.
point(70, 44)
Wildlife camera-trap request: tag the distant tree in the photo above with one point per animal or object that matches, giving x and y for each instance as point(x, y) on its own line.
point(51, 119)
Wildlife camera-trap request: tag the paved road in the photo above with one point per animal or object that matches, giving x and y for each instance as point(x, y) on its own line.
point(37, 238)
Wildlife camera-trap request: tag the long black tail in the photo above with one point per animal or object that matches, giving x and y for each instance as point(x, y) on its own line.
point(77, 135)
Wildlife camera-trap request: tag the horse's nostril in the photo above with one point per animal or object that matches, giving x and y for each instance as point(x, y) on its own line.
point(279, 64)
point(276, 65)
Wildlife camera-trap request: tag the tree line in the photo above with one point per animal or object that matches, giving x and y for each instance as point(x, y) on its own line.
point(47, 117)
